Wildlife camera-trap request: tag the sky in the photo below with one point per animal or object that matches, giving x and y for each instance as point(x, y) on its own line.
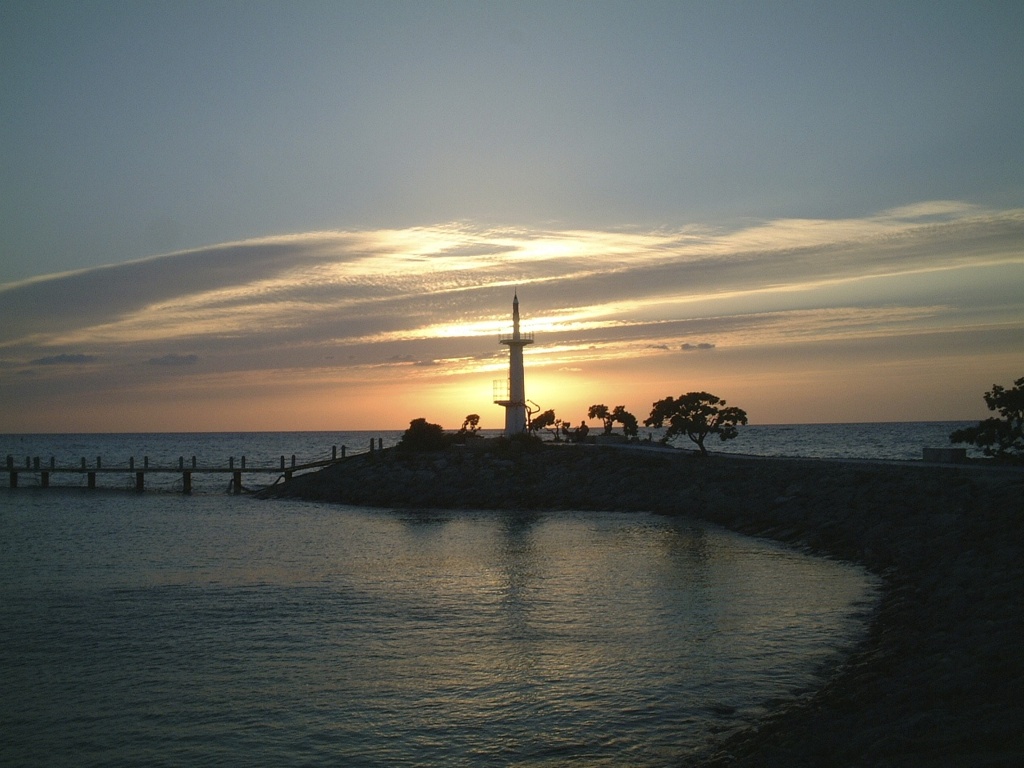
point(277, 216)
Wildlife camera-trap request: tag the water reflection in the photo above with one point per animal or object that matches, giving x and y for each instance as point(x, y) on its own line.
point(370, 638)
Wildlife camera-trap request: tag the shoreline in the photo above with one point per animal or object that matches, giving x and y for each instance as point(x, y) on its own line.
point(939, 677)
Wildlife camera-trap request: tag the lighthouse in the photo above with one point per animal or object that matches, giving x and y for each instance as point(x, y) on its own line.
point(511, 393)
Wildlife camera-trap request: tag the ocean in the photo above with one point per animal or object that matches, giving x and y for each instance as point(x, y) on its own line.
point(160, 628)
point(892, 441)
point(886, 441)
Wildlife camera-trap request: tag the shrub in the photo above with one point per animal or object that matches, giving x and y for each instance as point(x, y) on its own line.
point(423, 436)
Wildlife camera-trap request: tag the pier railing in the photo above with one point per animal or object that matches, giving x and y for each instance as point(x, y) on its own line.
point(185, 467)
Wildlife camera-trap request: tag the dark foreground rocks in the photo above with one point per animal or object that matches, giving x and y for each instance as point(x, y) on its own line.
point(939, 680)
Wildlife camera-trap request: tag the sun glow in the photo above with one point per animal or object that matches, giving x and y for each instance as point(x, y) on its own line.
point(387, 325)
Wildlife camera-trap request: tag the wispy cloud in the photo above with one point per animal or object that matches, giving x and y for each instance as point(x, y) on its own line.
point(430, 301)
point(174, 360)
point(66, 359)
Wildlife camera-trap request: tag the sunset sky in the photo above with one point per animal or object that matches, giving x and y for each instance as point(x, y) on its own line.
point(277, 216)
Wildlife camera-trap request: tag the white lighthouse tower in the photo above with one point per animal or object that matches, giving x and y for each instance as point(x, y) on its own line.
point(511, 393)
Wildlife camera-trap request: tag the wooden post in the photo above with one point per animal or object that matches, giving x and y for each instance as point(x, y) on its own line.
point(380, 443)
point(243, 462)
point(293, 459)
point(186, 482)
point(237, 479)
point(193, 462)
point(334, 453)
point(145, 461)
point(99, 462)
point(131, 462)
point(282, 462)
point(140, 481)
point(231, 463)
point(343, 451)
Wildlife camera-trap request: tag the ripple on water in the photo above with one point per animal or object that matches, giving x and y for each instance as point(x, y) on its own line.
point(156, 629)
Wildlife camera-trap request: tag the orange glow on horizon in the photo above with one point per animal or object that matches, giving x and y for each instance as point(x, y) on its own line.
point(891, 317)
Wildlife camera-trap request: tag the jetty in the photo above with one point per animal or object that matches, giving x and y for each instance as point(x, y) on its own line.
point(938, 678)
point(186, 468)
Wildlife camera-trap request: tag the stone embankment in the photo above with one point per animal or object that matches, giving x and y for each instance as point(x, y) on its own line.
point(939, 679)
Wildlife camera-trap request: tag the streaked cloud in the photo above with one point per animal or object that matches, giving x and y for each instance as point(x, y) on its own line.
point(174, 360)
point(427, 303)
point(66, 358)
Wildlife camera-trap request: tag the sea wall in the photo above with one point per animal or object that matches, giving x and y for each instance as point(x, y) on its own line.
point(940, 678)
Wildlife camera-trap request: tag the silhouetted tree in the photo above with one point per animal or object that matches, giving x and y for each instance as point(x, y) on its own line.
point(1000, 438)
point(628, 421)
point(617, 414)
point(423, 436)
point(542, 421)
point(696, 415)
point(601, 412)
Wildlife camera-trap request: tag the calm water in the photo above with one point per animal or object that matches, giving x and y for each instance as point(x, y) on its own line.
point(163, 629)
point(896, 441)
point(891, 441)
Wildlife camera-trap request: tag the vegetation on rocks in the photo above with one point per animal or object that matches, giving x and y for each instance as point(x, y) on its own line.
point(609, 417)
point(1001, 438)
point(423, 436)
point(696, 415)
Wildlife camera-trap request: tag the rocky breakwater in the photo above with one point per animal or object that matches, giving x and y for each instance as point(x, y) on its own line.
point(938, 681)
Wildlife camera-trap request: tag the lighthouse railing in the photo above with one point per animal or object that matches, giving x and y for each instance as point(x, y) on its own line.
point(507, 337)
point(502, 390)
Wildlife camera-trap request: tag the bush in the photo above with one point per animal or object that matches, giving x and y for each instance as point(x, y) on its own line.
point(1003, 438)
point(423, 436)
